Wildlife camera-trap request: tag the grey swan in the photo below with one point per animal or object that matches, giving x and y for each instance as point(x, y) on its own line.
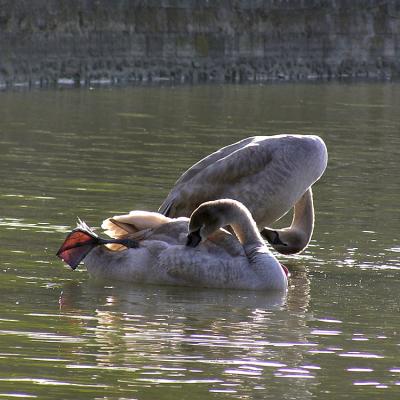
point(151, 248)
point(268, 174)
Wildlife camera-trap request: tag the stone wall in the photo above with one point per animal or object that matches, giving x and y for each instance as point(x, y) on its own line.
point(87, 41)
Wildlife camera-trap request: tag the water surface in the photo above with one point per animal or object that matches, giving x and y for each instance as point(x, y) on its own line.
point(94, 153)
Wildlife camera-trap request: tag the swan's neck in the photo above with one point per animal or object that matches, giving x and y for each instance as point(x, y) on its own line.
point(303, 217)
point(246, 229)
point(268, 270)
point(295, 238)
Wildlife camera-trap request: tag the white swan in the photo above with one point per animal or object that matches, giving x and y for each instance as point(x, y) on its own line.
point(269, 175)
point(193, 252)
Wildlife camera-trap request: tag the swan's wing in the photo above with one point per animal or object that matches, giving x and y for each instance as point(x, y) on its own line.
point(214, 176)
point(211, 159)
point(196, 170)
point(129, 224)
point(171, 233)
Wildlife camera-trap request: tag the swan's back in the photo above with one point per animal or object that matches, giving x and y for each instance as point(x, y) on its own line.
point(150, 227)
point(267, 174)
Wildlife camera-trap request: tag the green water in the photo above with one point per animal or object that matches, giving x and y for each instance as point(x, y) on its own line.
point(94, 153)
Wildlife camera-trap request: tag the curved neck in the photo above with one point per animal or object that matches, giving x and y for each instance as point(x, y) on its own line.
point(246, 229)
point(266, 267)
point(295, 238)
point(303, 217)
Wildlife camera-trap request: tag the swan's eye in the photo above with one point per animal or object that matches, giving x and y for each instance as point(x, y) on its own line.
point(277, 240)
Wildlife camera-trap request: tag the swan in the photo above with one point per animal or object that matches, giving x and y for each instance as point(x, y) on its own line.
point(268, 174)
point(151, 248)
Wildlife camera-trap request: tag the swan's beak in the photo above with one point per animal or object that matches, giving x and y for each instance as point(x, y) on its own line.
point(193, 238)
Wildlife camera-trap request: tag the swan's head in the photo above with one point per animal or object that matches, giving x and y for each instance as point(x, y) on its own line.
point(285, 241)
point(204, 221)
point(208, 218)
